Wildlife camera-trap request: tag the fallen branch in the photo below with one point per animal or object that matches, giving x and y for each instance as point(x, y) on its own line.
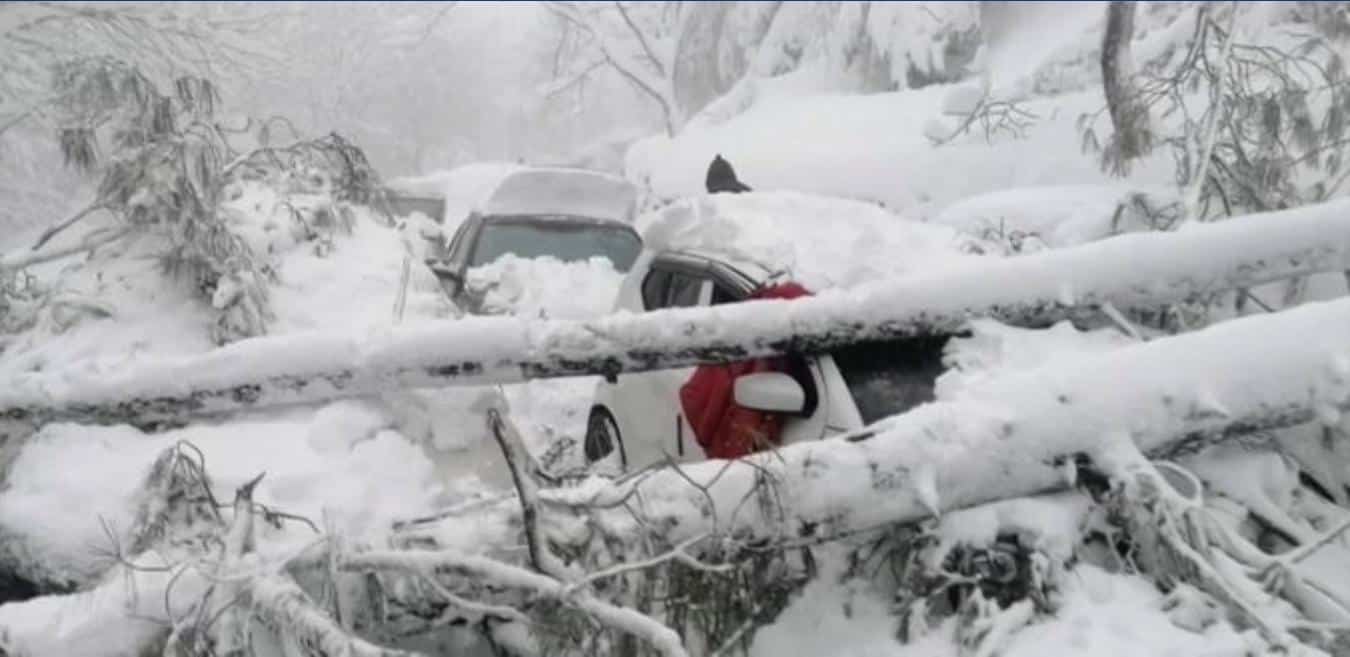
point(281, 602)
point(1010, 437)
point(560, 583)
point(1128, 271)
point(451, 562)
point(55, 230)
point(91, 242)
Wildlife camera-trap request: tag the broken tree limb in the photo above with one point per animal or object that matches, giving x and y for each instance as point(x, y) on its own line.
point(56, 230)
point(90, 242)
point(1008, 438)
point(1128, 271)
point(282, 604)
point(450, 562)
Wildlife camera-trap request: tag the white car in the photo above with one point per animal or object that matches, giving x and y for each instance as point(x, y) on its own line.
point(636, 419)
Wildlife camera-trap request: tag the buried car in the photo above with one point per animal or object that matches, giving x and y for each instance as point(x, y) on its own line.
point(713, 251)
point(571, 215)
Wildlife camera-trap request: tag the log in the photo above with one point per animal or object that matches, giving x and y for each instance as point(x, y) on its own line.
point(1012, 437)
point(1128, 271)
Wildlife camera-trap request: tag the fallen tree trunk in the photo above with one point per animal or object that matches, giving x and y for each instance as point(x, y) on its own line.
point(1015, 436)
point(1123, 272)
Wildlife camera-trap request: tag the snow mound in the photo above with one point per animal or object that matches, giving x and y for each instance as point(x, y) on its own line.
point(994, 349)
point(880, 147)
point(547, 287)
point(337, 268)
point(822, 242)
point(70, 479)
point(1061, 215)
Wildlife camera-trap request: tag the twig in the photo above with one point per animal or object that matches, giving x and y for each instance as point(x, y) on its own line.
point(677, 553)
point(20, 261)
point(519, 461)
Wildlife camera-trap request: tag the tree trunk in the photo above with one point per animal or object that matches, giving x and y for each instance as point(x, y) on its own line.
point(1127, 271)
point(1014, 436)
point(1129, 116)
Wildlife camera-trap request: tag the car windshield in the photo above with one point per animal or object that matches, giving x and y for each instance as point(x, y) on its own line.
point(891, 376)
point(569, 241)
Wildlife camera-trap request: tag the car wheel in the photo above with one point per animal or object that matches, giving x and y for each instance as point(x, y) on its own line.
point(603, 442)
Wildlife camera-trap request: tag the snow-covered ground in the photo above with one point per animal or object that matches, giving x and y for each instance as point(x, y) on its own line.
point(854, 189)
point(363, 464)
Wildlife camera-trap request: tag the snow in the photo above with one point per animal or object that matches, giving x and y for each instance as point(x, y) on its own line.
point(900, 242)
point(993, 348)
point(1103, 614)
point(1124, 271)
point(340, 464)
point(547, 287)
point(559, 191)
point(830, 144)
point(1110, 615)
point(1060, 215)
point(821, 242)
point(464, 188)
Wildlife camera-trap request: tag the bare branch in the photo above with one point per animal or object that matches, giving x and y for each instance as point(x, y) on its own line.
point(642, 40)
point(55, 230)
point(91, 242)
point(665, 640)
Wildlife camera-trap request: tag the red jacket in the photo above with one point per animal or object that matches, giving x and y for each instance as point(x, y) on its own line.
point(723, 429)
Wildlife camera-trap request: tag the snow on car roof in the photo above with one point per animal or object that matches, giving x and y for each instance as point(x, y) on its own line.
point(822, 242)
point(576, 192)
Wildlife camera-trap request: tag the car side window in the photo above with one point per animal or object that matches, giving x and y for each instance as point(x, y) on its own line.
point(654, 288)
point(456, 253)
point(721, 295)
point(684, 290)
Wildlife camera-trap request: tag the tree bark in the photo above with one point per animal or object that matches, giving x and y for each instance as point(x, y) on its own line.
point(1128, 271)
point(1128, 115)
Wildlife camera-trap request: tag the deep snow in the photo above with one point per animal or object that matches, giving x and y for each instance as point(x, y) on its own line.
point(366, 463)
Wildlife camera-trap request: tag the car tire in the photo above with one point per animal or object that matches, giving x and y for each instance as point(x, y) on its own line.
point(603, 440)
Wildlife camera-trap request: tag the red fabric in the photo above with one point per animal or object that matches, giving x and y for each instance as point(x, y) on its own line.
point(723, 429)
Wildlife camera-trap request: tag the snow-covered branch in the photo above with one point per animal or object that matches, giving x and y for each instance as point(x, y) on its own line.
point(90, 242)
point(1129, 271)
point(662, 638)
point(1013, 436)
point(645, 70)
point(281, 601)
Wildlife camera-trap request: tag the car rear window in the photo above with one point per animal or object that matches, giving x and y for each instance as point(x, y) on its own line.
point(565, 240)
point(888, 377)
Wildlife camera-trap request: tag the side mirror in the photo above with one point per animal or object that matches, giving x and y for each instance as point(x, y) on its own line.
point(772, 392)
point(450, 279)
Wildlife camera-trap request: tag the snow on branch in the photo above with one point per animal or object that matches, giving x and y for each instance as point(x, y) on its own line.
point(499, 573)
point(644, 69)
point(281, 601)
point(1015, 435)
point(1128, 271)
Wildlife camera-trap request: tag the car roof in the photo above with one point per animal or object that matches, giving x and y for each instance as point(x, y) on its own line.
point(564, 192)
point(544, 219)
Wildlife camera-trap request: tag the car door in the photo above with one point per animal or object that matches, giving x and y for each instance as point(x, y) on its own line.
point(730, 286)
point(647, 404)
point(451, 267)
